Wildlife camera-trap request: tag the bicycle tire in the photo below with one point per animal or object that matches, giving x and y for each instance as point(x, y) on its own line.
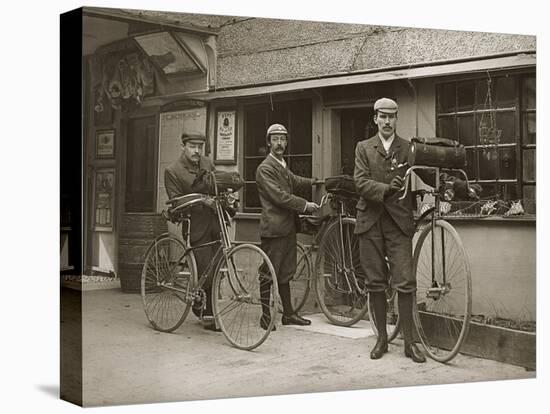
point(167, 265)
point(443, 307)
point(337, 294)
point(236, 296)
point(300, 284)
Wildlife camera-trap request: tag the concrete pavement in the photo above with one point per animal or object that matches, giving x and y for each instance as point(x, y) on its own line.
point(126, 362)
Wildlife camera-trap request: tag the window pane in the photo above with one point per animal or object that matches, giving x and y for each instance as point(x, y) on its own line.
point(505, 92)
point(255, 128)
point(300, 128)
point(278, 114)
point(250, 166)
point(251, 198)
point(529, 93)
point(507, 163)
point(530, 128)
point(488, 190)
point(446, 127)
point(481, 94)
point(529, 165)
point(506, 121)
point(466, 133)
point(465, 93)
point(300, 166)
point(488, 164)
point(529, 199)
point(508, 191)
point(487, 130)
point(471, 164)
point(446, 98)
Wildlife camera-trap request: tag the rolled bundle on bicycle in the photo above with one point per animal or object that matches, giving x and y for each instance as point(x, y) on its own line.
point(437, 152)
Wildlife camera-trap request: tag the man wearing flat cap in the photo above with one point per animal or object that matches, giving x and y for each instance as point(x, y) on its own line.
point(385, 225)
point(184, 177)
point(277, 186)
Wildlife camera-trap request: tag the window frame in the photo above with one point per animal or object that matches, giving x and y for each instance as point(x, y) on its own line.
point(518, 108)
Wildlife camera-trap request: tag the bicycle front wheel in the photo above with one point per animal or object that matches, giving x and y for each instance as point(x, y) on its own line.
point(340, 280)
point(301, 281)
point(444, 291)
point(238, 304)
point(168, 275)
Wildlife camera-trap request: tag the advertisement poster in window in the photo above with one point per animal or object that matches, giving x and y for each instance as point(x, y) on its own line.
point(105, 144)
point(225, 147)
point(104, 199)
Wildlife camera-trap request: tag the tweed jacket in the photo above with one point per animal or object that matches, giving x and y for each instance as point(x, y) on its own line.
point(276, 187)
point(178, 180)
point(373, 174)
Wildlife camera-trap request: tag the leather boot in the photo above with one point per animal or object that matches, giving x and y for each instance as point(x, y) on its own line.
point(265, 319)
point(405, 307)
point(380, 308)
point(412, 352)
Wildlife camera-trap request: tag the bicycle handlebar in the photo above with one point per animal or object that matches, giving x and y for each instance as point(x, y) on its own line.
point(410, 170)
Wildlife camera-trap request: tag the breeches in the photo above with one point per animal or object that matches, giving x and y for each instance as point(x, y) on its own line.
point(386, 240)
point(282, 253)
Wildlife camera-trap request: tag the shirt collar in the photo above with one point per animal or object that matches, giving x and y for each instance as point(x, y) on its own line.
point(386, 143)
point(282, 162)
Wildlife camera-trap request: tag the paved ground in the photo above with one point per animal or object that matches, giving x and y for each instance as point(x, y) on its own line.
point(125, 361)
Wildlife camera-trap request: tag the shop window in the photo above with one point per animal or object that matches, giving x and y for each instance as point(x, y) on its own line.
point(496, 122)
point(296, 117)
point(140, 166)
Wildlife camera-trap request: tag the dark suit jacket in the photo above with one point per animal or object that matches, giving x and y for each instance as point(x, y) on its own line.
point(178, 180)
point(372, 176)
point(276, 187)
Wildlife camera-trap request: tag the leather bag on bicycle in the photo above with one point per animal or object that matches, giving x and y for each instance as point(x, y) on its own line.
point(437, 152)
point(342, 185)
point(225, 180)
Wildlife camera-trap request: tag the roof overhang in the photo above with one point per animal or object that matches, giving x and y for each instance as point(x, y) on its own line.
point(482, 64)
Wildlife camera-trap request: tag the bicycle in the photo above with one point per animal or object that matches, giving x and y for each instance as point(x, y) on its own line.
point(170, 285)
point(444, 287)
point(337, 251)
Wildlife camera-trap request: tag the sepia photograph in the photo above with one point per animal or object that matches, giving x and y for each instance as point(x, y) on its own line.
point(294, 200)
point(281, 206)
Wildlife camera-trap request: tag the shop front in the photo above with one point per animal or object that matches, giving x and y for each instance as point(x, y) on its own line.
point(151, 78)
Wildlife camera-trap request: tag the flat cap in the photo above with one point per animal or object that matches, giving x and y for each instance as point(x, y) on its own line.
point(192, 137)
point(386, 105)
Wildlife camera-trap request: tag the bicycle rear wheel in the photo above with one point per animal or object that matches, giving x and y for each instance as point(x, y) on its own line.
point(300, 283)
point(340, 280)
point(393, 323)
point(236, 296)
point(168, 275)
point(444, 291)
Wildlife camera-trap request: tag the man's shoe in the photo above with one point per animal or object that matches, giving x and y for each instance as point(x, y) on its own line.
point(412, 352)
point(209, 323)
point(264, 324)
point(295, 320)
point(380, 348)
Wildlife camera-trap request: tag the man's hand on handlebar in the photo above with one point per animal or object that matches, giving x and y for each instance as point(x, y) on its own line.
point(311, 207)
point(396, 185)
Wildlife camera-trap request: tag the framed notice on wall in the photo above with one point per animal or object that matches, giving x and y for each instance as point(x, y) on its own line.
point(225, 147)
point(105, 144)
point(104, 199)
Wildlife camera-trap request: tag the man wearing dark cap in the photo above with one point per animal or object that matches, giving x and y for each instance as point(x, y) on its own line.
point(385, 225)
point(280, 206)
point(180, 178)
